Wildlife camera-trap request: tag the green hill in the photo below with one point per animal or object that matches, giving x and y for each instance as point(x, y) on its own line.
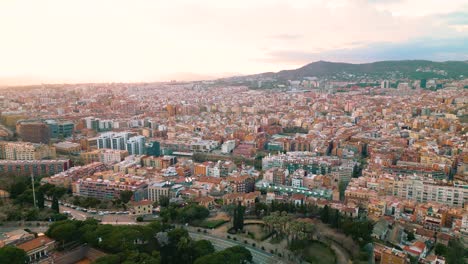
point(413, 69)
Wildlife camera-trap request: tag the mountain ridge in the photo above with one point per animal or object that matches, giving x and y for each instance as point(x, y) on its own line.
point(396, 68)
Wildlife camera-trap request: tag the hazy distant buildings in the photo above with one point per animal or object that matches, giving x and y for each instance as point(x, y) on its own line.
point(98, 125)
point(385, 84)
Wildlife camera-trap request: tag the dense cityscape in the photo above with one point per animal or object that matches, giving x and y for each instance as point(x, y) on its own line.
point(355, 172)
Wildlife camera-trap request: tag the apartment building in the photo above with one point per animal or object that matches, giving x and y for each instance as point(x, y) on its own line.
point(108, 185)
point(414, 188)
point(33, 131)
point(36, 167)
point(66, 178)
point(25, 151)
point(106, 156)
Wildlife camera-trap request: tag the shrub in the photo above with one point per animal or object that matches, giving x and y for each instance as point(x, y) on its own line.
point(245, 241)
point(271, 251)
point(228, 236)
point(263, 248)
point(139, 219)
point(235, 238)
point(253, 244)
point(198, 230)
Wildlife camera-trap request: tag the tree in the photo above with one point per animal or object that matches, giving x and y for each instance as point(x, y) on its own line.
point(202, 248)
point(440, 249)
point(192, 212)
point(108, 259)
point(13, 255)
point(325, 214)
point(125, 196)
point(335, 219)
point(17, 188)
point(55, 204)
point(164, 201)
point(410, 236)
point(342, 188)
point(260, 209)
point(40, 200)
point(355, 171)
point(455, 252)
point(232, 255)
point(65, 232)
point(238, 221)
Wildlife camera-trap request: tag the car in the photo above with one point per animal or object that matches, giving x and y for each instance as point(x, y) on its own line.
point(100, 213)
point(84, 210)
point(73, 207)
point(112, 212)
point(67, 212)
point(92, 211)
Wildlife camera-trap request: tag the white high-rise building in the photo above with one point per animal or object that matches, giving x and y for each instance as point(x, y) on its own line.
point(385, 84)
point(136, 145)
point(112, 140)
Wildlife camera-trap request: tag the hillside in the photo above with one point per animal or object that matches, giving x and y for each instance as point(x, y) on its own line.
point(413, 69)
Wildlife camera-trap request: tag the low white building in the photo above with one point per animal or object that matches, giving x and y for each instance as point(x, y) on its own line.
point(228, 146)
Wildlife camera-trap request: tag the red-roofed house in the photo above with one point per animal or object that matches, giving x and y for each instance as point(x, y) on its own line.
point(417, 249)
point(38, 249)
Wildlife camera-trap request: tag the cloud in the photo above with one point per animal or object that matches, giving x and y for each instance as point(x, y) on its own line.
point(286, 36)
point(456, 18)
point(427, 48)
point(148, 40)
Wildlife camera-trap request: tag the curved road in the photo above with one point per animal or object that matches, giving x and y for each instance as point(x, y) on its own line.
point(258, 256)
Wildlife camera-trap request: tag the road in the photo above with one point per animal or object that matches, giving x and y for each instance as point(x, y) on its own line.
point(78, 215)
point(258, 256)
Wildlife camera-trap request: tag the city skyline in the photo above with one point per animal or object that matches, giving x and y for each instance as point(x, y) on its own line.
point(120, 41)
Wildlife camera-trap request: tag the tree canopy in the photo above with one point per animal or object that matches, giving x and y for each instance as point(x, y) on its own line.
point(13, 255)
point(232, 255)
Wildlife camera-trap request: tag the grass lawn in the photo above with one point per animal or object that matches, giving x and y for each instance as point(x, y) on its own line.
point(317, 252)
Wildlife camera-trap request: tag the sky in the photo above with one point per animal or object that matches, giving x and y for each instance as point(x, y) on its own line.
point(55, 41)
